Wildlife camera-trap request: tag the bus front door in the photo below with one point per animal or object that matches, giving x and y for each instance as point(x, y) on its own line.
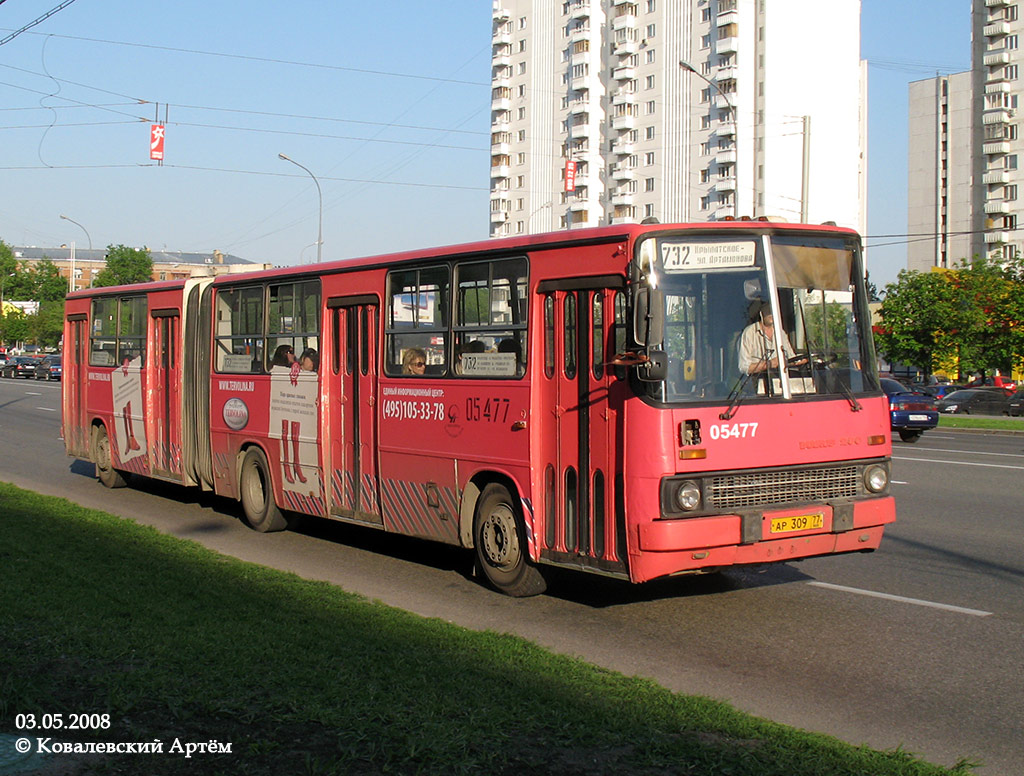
point(354, 478)
point(584, 520)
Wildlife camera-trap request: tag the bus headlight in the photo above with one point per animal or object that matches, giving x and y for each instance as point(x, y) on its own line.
point(876, 478)
point(688, 496)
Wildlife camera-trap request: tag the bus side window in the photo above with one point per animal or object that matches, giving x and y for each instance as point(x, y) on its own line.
point(417, 321)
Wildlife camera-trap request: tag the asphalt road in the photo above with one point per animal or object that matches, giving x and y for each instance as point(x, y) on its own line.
point(919, 645)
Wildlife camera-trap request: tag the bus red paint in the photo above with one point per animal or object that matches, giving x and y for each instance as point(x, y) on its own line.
point(585, 399)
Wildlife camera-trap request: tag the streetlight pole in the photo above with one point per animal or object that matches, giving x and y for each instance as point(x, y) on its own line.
point(72, 286)
point(732, 109)
point(320, 226)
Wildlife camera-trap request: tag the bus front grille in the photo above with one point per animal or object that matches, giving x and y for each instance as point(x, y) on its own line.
point(754, 489)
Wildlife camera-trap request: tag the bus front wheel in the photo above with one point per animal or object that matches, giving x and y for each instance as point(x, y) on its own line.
point(105, 471)
point(261, 511)
point(500, 542)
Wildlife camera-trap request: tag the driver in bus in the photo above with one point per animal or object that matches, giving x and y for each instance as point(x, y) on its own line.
point(757, 343)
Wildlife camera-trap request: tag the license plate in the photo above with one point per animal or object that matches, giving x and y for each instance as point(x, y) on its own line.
point(919, 417)
point(797, 523)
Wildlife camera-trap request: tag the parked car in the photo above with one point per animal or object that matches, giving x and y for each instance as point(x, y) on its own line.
point(976, 401)
point(19, 366)
point(48, 368)
point(996, 381)
point(1015, 404)
point(911, 413)
point(941, 391)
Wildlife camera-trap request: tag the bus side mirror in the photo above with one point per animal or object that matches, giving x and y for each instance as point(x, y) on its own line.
point(648, 317)
point(655, 368)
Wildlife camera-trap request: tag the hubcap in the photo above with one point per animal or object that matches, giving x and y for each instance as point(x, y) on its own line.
point(498, 533)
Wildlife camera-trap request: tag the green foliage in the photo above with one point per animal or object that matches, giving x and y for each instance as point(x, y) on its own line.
point(971, 316)
point(125, 266)
point(41, 282)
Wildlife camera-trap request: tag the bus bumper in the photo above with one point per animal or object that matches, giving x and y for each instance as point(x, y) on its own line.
point(685, 545)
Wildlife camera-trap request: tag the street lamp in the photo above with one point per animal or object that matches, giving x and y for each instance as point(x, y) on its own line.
point(72, 286)
point(320, 226)
point(732, 110)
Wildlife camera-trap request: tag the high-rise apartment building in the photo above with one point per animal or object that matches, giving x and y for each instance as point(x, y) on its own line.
point(612, 111)
point(940, 166)
point(965, 166)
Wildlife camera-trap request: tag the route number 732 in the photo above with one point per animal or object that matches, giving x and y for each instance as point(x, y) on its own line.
point(733, 430)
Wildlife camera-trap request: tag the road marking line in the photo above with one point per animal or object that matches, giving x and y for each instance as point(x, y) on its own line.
point(900, 482)
point(957, 463)
point(971, 452)
point(46, 409)
point(903, 599)
point(32, 393)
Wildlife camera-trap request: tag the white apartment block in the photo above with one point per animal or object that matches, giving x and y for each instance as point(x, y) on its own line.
point(965, 160)
point(940, 166)
point(996, 33)
point(766, 117)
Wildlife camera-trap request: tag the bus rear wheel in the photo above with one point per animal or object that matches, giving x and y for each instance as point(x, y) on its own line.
point(500, 542)
point(261, 511)
point(105, 471)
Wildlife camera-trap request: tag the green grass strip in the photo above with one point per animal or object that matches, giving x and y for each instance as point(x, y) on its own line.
point(99, 614)
point(982, 423)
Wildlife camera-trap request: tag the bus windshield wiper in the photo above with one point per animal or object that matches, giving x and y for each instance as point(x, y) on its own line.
point(736, 397)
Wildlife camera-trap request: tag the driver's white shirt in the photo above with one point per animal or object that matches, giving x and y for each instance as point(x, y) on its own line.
point(756, 346)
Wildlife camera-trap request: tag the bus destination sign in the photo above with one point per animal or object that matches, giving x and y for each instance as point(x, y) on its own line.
point(696, 256)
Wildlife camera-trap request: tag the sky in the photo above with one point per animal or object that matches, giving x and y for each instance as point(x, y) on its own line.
point(386, 103)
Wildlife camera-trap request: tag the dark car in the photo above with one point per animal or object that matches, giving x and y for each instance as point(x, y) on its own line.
point(48, 368)
point(19, 366)
point(911, 413)
point(975, 401)
point(1015, 404)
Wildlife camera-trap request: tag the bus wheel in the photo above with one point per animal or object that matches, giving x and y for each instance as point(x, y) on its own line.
point(910, 435)
point(501, 545)
point(105, 471)
point(261, 512)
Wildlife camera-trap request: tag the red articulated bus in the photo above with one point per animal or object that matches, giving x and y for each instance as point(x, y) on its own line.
point(608, 400)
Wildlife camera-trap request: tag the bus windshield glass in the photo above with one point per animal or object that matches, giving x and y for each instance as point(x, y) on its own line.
point(722, 296)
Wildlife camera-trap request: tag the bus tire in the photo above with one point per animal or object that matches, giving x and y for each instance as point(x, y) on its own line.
point(105, 471)
point(257, 494)
point(500, 542)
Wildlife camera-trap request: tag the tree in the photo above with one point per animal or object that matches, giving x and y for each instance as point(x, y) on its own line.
point(125, 266)
point(871, 288)
point(917, 315)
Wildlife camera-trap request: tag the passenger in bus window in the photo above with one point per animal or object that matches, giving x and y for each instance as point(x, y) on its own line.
point(473, 346)
point(283, 356)
point(309, 361)
point(414, 362)
point(511, 345)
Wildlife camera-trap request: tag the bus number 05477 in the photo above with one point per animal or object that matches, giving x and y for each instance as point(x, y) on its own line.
point(733, 430)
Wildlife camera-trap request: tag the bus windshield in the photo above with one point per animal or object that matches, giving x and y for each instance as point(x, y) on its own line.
point(722, 297)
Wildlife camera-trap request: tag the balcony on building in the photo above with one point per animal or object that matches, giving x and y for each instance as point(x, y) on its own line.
point(997, 86)
point(501, 37)
point(579, 105)
point(997, 237)
point(579, 9)
point(996, 3)
point(996, 116)
point(625, 121)
point(722, 212)
point(581, 58)
point(624, 73)
point(727, 183)
point(997, 206)
point(725, 156)
point(726, 128)
point(996, 28)
point(621, 172)
point(726, 73)
point(499, 210)
point(500, 14)
point(504, 80)
point(996, 147)
point(727, 45)
point(727, 17)
point(998, 56)
point(623, 97)
point(501, 167)
point(623, 197)
point(579, 33)
point(996, 177)
point(624, 21)
point(578, 205)
point(626, 46)
point(501, 60)
point(723, 101)
point(623, 146)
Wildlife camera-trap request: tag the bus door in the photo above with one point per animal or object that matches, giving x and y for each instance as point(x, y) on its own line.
point(585, 522)
point(353, 410)
point(165, 447)
point(74, 379)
